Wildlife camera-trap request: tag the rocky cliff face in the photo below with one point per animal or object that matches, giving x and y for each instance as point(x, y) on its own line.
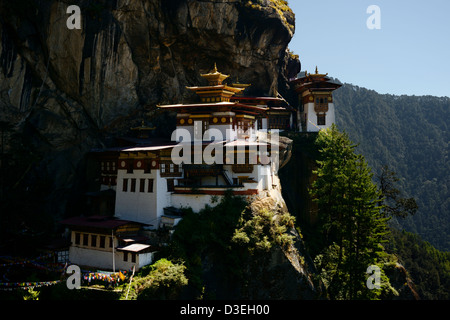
point(67, 90)
point(291, 271)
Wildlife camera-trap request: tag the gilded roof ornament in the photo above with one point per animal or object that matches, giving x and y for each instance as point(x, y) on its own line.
point(215, 77)
point(317, 74)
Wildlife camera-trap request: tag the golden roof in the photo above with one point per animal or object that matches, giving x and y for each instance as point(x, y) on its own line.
point(215, 77)
point(317, 74)
point(237, 84)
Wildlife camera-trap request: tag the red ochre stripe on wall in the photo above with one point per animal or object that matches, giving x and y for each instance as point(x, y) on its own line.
point(217, 192)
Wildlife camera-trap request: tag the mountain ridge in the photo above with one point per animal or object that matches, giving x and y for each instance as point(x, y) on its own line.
point(410, 135)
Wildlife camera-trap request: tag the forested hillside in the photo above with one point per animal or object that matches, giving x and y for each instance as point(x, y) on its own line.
point(410, 135)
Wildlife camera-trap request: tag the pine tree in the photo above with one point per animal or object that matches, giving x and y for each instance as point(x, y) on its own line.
point(394, 204)
point(350, 215)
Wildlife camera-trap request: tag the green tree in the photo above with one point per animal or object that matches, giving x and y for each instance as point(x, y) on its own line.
point(411, 135)
point(395, 205)
point(260, 231)
point(350, 216)
point(207, 235)
point(162, 280)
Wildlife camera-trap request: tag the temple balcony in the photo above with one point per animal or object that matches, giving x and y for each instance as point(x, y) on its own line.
point(215, 180)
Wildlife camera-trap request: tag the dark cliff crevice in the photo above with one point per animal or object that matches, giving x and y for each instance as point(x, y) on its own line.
point(25, 97)
point(8, 54)
point(297, 175)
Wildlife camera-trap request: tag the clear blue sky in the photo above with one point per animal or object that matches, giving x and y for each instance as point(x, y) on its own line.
point(410, 54)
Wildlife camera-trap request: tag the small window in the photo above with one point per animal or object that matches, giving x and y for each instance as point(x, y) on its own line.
point(148, 167)
point(133, 185)
point(320, 119)
point(125, 256)
point(77, 238)
point(85, 239)
point(163, 168)
point(111, 242)
point(170, 185)
point(133, 257)
point(130, 167)
point(142, 185)
point(150, 185)
point(63, 256)
point(102, 241)
point(125, 185)
point(93, 240)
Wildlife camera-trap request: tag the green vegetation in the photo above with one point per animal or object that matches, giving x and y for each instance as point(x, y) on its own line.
point(428, 267)
point(162, 280)
point(351, 222)
point(260, 231)
point(280, 6)
point(394, 204)
point(410, 134)
point(292, 55)
point(208, 233)
point(159, 281)
point(226, 248)
point(340, 170)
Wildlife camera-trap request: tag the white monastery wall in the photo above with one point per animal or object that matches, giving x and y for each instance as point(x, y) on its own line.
point(195, 201)
point(145, 207)
point(311, 125)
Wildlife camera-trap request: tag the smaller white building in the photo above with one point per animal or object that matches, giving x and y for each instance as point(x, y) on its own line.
point(316, 107)
point(107, 243)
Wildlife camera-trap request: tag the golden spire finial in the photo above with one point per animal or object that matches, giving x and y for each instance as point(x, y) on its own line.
point(214, 77)
point(317, 71)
